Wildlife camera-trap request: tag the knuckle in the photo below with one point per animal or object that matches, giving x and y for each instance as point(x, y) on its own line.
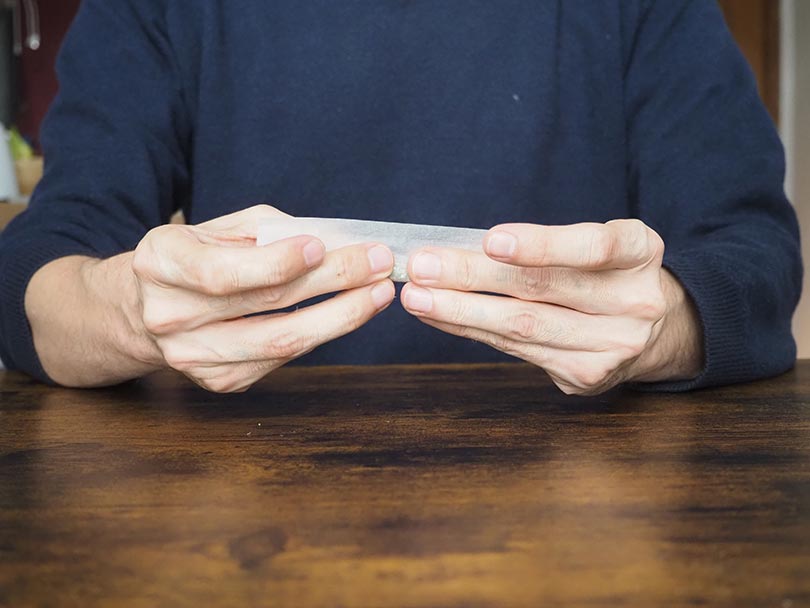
point(635, 229)
point(652, 309)
point(457, 313)
point(141, 262)
point(177, 357)
point(201, 276)
point(286, 345)
point(648, 305)
point(600, 246)
point(524, 326)
point(272, 296)
point(505, 345)
point(569, 389)
point(466, 274)
point(588, 377)
point(144, 258)
point(541, 250)
point(256, 213)
point(532, 283)
point(158, 233)
point(354, 316)
point(223, 384)
point(212, 385)
point(268, 367)
point(156, 321)
point(467, 332)
point(278, 271)
point(222, 303)
point(633, 349)
point(634, 234)
point(261, 209)
point(640, 240)
point(213, 280)
point(655, 243)
point(630, 300)
point(147, 262)
point(235, 378)
point(496, 341)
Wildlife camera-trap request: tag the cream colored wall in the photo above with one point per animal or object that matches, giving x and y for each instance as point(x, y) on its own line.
point(795, 126)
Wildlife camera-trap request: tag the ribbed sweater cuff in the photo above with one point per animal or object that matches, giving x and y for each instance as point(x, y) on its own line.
point(17, 344)
point(724, 317)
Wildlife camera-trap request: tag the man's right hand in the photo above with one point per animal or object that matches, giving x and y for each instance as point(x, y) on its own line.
point(195, 291)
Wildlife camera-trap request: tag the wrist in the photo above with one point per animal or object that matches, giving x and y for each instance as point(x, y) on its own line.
point(114, 284)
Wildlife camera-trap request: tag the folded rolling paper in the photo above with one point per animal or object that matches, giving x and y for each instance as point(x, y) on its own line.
point(402, 239)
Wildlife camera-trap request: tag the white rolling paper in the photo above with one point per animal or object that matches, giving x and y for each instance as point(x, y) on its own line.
point(402, 239)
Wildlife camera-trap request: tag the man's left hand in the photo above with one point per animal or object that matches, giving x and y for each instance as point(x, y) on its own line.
point(589, 303)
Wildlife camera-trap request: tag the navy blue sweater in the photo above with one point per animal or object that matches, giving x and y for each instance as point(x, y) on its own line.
point(460, 112)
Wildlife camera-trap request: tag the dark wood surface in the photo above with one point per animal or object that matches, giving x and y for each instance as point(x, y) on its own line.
point(404, 486)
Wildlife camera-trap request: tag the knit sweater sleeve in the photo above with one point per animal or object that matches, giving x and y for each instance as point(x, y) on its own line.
point(114, 156)
point(706, 169)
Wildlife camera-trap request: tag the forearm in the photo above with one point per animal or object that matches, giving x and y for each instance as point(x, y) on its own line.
point(677, 351)
point(85, 324)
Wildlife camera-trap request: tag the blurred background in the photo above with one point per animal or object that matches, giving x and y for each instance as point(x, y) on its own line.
point(774, 35)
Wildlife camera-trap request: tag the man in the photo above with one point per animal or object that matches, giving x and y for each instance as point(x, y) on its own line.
point(618, 147)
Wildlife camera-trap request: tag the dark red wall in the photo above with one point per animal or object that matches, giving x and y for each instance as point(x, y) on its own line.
point(37, 86)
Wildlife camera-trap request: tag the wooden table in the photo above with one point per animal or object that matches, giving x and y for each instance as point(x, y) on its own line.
point(404, 486)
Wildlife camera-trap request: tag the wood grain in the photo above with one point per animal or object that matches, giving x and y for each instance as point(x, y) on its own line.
point(432, 486)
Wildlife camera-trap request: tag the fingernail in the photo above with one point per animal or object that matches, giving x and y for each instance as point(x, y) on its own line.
point(382, 294)
point(380, 259)
point(426, 266)
point(418, 299)
point(501, 244)
point(313, 253)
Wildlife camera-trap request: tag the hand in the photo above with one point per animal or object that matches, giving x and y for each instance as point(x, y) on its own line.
point(589, 303)
point(196, 284)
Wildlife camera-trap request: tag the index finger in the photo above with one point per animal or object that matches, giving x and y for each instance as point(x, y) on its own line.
point(591, 246)
point(181, 258)
point(245, 221)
